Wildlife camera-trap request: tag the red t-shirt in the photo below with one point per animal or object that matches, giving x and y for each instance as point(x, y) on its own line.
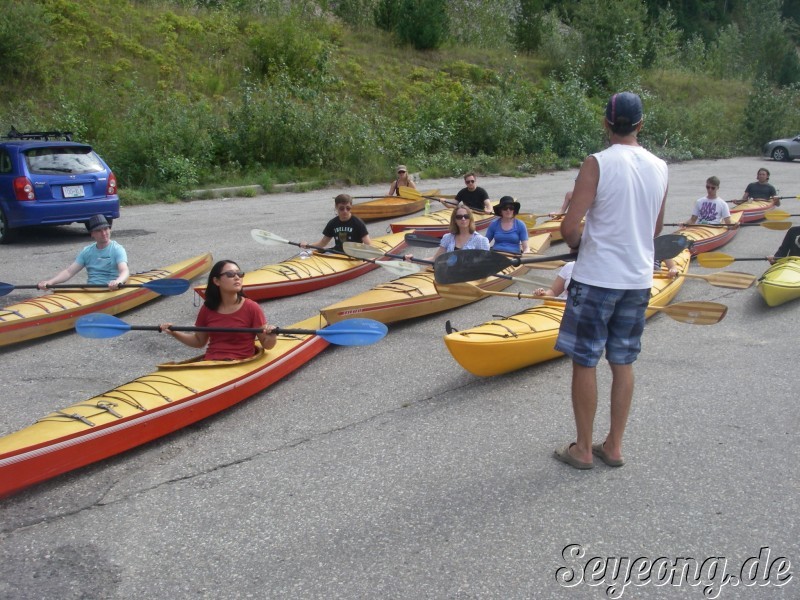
point(226, 346)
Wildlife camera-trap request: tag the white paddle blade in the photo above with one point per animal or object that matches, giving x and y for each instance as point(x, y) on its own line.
point(265, 237)
point(399, 267)
point(358, 250)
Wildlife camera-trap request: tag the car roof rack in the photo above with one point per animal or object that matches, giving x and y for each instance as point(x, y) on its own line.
point(39, 135)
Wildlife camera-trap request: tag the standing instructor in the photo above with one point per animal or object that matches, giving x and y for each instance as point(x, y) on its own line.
point(621, 191)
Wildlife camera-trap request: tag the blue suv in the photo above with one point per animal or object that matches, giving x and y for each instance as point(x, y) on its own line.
point(47, 179)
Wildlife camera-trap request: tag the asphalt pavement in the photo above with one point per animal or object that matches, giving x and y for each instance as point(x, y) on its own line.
point(387, 471)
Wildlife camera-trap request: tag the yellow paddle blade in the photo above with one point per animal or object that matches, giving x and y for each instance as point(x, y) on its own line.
point(694, 313)
point(777, 215)
point(714, 260)
point(777, 225)
point(727, 279)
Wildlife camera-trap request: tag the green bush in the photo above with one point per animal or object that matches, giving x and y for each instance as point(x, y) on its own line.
point(288, 46)
point(770, 115)
point(23, 39)
point(426, 25)
point(387, 14)
point(529, 25)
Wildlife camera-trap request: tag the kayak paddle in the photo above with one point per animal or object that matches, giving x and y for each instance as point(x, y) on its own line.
point(778, 215)
point(773, 224)
point(362, 251)
point(397, 267)
point(417, 240)
point(716, 260)
point(165, 287)
point(694, 313)
point(412, 194)
point(467, 265)
point(726, 279)
point(350, 332)
point(270, 239)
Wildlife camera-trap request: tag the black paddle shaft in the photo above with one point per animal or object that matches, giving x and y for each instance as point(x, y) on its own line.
point(468, 265)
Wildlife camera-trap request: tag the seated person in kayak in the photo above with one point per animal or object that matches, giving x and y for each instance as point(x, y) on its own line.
point(403, 180)
point(559, 287)
point(462, 234)
point(226, 306)
point(790, 245)
point(344, 227)
point(474, 197)
point(106, 262)
point(508, 233)
point(711, 209)
point(761, 189)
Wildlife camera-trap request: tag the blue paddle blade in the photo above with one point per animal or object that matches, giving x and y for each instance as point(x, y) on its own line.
point(354, 332)
point(167, 287)
point(100, 326)
point(5, 288)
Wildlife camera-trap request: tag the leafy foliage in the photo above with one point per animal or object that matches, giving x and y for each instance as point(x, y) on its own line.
point(186, 92)
point(426, 25)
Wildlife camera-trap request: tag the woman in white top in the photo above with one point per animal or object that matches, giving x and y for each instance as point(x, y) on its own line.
point(462, 234)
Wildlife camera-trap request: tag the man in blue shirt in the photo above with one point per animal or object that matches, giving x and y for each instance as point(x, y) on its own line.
point(106, 262)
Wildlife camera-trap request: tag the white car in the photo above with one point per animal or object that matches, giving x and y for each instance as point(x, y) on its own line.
point(785, 149)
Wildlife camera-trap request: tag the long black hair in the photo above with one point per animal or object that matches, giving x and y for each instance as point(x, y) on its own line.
point(213, 295)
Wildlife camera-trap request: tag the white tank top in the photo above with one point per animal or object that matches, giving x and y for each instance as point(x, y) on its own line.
point(616, 248)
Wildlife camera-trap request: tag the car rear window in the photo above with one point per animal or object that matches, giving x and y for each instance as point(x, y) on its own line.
point(63, 160)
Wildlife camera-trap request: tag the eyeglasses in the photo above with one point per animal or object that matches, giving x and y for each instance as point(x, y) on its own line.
point(468, 181)
point(462, 217)
point(344, 208)
point(232, 274)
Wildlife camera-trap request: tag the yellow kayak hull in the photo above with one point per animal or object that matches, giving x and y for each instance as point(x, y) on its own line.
point(408, 297)
point(172, 397)
point(528, 337)
point(781, 282)
point(52, 313)
point(300, 274)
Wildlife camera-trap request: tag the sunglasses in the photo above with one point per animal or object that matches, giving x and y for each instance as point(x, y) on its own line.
point(469, 181)
point(507, 208)
point(232, 274)
point(462, 217)
point(399, 172)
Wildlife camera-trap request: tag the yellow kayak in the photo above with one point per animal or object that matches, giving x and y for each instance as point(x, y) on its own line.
point(52, 313)
point(414, 295)
point(781, 282)
point(438, 223)
point(301, 274)
point(528, 337)
point(173, 396)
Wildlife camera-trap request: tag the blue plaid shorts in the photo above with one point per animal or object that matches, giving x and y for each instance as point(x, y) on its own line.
point(599, 318)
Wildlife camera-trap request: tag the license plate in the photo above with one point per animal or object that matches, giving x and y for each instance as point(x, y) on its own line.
point(73, 191)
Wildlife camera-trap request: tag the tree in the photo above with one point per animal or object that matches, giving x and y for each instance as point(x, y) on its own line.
point(425, 25)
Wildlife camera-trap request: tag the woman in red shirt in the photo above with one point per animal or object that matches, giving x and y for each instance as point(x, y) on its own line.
point(226, 306)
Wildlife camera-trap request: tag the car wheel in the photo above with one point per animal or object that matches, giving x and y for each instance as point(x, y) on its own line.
point(780, 154)
point(6, 233)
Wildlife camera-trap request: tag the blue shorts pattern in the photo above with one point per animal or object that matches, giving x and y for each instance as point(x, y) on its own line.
point(598, 318)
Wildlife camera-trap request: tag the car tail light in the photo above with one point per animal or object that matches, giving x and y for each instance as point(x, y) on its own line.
point(111, 188)
point(23, 189)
